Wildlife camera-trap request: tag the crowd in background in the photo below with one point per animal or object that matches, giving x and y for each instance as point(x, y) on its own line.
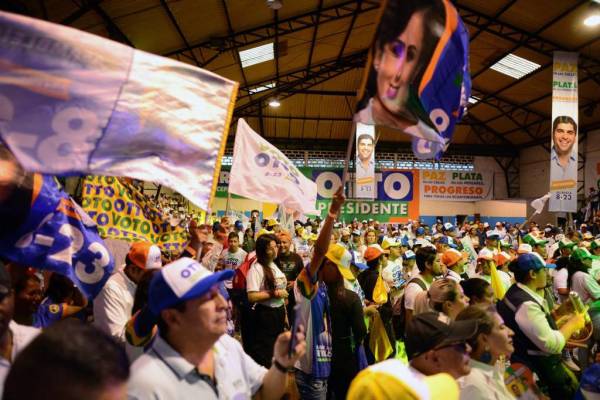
point(470, 311)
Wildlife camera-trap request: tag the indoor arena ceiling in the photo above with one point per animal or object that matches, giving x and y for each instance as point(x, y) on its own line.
point(321, 47)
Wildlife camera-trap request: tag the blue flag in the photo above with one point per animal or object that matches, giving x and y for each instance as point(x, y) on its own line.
point(445, 87)
point(59, 236)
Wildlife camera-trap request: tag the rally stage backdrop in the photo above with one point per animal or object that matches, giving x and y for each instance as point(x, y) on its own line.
point(401, 195)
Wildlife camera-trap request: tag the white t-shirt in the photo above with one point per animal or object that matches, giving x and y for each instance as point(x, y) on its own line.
point(578, 284)
point(561, 278)
point(21, 336)
point(255, 282)
point(232, 261)
point(411, 291)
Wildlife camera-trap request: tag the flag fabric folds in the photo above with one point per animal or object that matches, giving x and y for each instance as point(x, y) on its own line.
point(261, 172)
point(74, 103)
point(59, 236)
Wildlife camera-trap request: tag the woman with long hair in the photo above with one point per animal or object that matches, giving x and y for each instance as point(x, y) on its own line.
point(446, 296)
point(266, 287)
point(348, 330)
point(491, 345)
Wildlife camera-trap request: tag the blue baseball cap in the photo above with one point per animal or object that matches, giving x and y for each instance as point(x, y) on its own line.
point(182, 280)
point(532, 261)
point(360, 266)
point(238, 224)
point(448, 241)
point(420, 230)
point(409, 255)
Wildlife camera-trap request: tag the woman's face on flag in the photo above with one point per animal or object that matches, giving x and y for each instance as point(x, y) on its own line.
point(396, 65)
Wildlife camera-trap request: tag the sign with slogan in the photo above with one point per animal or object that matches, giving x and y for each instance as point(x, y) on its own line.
point(396, 200)
point(456, 185)
point(564, 135)
point(122, 212)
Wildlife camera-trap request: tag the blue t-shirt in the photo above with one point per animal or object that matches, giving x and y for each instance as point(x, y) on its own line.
point(47, 314)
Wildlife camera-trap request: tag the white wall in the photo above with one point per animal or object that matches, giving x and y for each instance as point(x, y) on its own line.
point(490, 164)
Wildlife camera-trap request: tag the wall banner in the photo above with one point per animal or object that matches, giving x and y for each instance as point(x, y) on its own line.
point(397, 197)
point(564, 138)
point(456, 185)
point(365, 162)
point(122, 212)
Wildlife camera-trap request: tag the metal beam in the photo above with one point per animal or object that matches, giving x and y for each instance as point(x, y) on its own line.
point(314, 37)
point(114, 32)
point(235, 40)
point(302, 79)
point(494, 18)
point(80, 12)
point(296, 117)
point(284, 143)
point(349, 31)
point(520, 37)
point(179, 31)
point(236, 55)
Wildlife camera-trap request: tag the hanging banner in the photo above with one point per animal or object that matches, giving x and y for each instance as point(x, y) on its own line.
point(262, 172)
point(74, 103)
point(397, 198)
point(417, 80)
point(123, 212)
point(564, 138)
point(365, 162)
point(456, 185)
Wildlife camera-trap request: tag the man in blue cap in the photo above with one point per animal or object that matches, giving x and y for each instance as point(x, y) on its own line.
point(538, 341)
point(192, 357)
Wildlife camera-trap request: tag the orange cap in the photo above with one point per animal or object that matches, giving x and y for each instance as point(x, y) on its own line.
point(145, 255)
point(451, 257)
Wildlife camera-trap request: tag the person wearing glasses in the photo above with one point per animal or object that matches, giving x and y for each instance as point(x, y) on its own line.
point(436, 344)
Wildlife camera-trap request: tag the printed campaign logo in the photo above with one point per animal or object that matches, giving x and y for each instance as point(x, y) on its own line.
point(59, 236)
point(276, 165)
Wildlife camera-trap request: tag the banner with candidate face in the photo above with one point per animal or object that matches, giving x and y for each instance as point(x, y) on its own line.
point(365, 162)
point(564, 136)
point(418, 78)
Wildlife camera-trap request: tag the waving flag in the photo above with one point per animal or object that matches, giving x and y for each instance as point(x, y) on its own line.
point(73, 103)
point(422, 96)
point(59, 236)
point(261, 172)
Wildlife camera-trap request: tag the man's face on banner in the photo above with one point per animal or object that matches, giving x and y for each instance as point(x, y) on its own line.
point(365, 149)
point(564, 138)
point(397, 63)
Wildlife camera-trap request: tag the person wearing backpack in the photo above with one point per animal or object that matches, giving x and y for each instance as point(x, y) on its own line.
point(430, 267)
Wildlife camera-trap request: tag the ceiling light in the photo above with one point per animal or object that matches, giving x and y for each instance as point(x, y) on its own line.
point(515, 66)
point(473, 99)
point(258, 89)
point(257, 55)
point(274, 4)
point(592, 20)
point(274, 103)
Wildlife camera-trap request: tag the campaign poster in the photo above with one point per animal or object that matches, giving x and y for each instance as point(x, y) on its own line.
point(365, 162)
point(564, 135)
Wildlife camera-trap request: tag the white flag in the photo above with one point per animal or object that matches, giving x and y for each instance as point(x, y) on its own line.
point(261, 172)
point(72, 103)
point(538, 204)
